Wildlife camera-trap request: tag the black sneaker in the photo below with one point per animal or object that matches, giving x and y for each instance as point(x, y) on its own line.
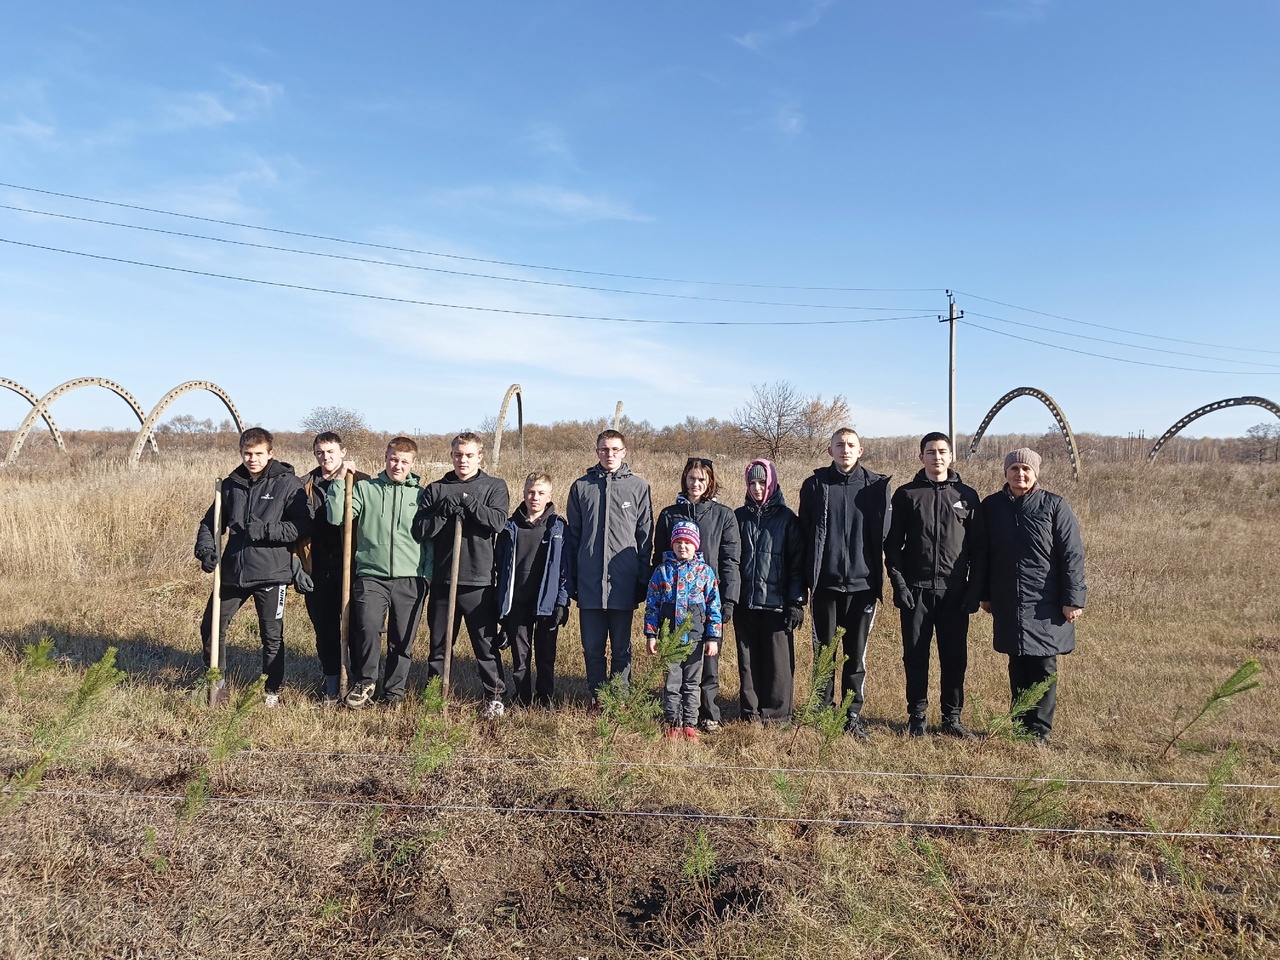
point(952, 727)
point(916, 727)
point(855, 729)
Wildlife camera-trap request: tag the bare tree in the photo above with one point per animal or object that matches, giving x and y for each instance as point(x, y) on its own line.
point(772, 420)
point(1260, 440)
point(819, 420)
point(347, 423)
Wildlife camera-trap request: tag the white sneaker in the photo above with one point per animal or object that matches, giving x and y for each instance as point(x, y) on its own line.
point(492, 710)
point(271, 701)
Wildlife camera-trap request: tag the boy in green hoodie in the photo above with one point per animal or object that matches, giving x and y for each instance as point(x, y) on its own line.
point(392, 571)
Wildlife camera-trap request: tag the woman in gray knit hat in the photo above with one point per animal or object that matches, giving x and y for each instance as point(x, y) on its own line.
point(1035, 587)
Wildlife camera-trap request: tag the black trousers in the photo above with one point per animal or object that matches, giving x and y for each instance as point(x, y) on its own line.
point(708, 709)
point(856, 612)
point(1026, 672)
point(533, 647)
point(324, 607)
point(478, 607)
point(766, 664)
point(400, 601)
point(269, 603)
point(939, 612)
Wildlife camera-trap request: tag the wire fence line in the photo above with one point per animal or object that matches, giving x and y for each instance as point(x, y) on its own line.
point(696, 816)
point(666, 765)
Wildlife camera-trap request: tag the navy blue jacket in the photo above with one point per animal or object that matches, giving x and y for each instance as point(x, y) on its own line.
point(556, 575)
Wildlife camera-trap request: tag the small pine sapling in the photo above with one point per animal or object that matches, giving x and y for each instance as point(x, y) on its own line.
point(225, 740)
point(434, 740)
point(1242, 681)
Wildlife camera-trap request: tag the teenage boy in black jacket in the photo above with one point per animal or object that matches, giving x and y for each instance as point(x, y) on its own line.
point(936, 557)
point(534, 568)
point(265, 511)
point(844, 513)
point(482, 503)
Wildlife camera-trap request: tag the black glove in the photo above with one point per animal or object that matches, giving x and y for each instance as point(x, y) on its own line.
point(450, 508)
point(726, 610)
point(302, 581)
point(904, 599)
point(257, 531)
point(208, 561)
point(793, 617)
point(560, 615)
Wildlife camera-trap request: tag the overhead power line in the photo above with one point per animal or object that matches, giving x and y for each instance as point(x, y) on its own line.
point(1120, 343)
point(443, 270)
point(1141, 363)
point(456, 256)
point(1103, 326)
point(461, 306)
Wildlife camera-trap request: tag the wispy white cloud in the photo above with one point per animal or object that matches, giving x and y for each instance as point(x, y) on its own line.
point(1018, 11)
point(193, 110)
point(24, 128)
point(543, 200)
point(764, 36)
point(547, 139)
point(788, 119)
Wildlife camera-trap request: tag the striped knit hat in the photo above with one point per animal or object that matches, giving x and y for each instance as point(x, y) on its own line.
point(686, 530)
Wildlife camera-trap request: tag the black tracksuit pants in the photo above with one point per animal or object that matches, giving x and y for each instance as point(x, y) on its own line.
point(766, 664)
point(856, 612)
point(324, 607)
point(709, 688)
point(1026, 672)
point(533, 647)
point(478, 607)
point(269, 603)
point(400, 601)
point(941, 612)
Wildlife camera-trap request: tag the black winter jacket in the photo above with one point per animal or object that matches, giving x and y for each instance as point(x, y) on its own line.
point(718, 529)
point(485, 504)
point(825, 556)
point(275, 498)
point(772, 555)
point(557, 568)
point(936, 538)
point(1035, 568)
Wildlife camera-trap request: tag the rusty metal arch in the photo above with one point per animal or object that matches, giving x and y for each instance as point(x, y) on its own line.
point(149, 423)
point(1210, 408)
point(502, 419)
point(33, 400)
point(1049, 402)
point(42, 407)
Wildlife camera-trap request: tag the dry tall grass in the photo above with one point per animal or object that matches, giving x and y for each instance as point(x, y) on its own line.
point(343, 859)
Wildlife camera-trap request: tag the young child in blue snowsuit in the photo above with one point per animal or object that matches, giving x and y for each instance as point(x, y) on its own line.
point(683, 583)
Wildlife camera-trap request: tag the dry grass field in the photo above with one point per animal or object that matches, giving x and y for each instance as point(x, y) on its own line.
point(381, 834)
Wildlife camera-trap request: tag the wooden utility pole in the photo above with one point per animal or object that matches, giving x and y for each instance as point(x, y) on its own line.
point(951, 318)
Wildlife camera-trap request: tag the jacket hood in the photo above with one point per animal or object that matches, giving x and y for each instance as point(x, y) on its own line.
point(412, 480)
point(923, 477)
point(274, 468)
point(521, 515)
point(452, 477)
point(775, 500)
point(599, 471)
point(670, 557)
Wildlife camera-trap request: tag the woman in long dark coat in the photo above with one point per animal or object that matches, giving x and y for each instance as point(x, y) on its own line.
point(1035, 587)
point(719, 530)
point(771, 599)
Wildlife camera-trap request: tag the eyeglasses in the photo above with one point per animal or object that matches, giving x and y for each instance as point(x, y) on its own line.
point(698, 462)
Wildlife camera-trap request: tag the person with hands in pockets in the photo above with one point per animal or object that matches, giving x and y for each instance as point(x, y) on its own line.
point(534, 570)
point(481, 503)
point(264, 511)
point(936, 557)
point(683, 584)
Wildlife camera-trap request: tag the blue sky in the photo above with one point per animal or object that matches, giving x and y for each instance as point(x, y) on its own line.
point(1108, 163)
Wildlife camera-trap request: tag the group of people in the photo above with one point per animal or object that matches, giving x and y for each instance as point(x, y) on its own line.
point(948, 553)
